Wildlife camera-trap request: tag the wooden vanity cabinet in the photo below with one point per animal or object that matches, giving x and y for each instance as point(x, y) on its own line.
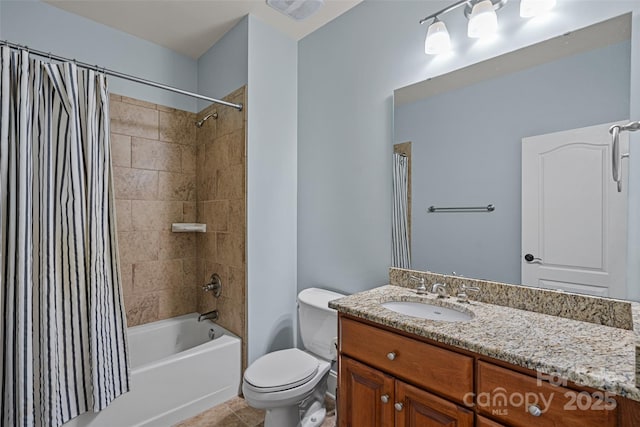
point(389, 379)
point(378, 393)
point(369, 397)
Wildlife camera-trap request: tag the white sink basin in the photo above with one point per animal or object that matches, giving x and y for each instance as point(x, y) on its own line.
point(427, 311)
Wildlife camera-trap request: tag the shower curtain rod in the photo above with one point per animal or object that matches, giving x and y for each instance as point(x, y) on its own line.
point(120, 75)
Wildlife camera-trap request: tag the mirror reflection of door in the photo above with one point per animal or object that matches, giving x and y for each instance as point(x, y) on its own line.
point(574, 221)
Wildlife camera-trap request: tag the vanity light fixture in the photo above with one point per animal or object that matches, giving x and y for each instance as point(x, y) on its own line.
point(437, 40)
point(483, 20)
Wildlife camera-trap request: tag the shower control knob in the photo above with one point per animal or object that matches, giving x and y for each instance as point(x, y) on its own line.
point(391, 355)
point(384, 398)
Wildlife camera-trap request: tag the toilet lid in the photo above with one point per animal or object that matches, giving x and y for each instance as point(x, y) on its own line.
point(281, 370)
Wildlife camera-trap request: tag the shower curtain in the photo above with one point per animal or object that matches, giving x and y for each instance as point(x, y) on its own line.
point(63, 323)
point(400, 256)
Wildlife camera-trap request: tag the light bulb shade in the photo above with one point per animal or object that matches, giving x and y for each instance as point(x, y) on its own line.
point(483, 21)
point(531, 8)
point(438, 40)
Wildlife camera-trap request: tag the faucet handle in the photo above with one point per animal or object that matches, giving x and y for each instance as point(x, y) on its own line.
point(421, 289)
point(462, 296)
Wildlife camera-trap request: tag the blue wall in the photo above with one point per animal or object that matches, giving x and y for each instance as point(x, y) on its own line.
point(347, 72)
point(467, 148)
point(47, 28)
point(271, 189)
point(224, 67)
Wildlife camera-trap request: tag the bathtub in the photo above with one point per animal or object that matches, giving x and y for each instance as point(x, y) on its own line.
point(177, 371)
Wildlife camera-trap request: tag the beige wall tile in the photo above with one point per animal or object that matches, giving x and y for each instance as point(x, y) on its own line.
point(229, 120)
point(157, 275)
point(176, 302)
point(230, 249)
point(135, 184)
point(209, 244)
point(189, 212)
point(230, 183)
point(231, 317)
point(134, 120)
point(216, 215)
point(138, 102)
point(178, 127)
point(237, 216)
point(192, 273)
point(137, 246)
point(177, 245)
point(142, 309)
point(113, 97)
point(237, 147)
point(156, 155)
point(236, 287)
point(217, 155)
point(126, 276)
point(155, 215)
point(123, 215)
point(189, 154)
point(120, 150)
point(177, 186)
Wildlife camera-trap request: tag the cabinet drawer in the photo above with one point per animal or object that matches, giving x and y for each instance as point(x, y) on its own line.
point(507, 395)
point(433, 368)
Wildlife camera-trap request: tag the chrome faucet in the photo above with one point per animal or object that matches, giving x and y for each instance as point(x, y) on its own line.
point(462, 296)
point(212, 315)
point(440, 289)
point(421, 289)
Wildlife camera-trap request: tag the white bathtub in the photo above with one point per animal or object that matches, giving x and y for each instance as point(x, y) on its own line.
point(177, 371)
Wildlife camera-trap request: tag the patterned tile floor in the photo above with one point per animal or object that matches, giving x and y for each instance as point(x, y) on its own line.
point(236, 413)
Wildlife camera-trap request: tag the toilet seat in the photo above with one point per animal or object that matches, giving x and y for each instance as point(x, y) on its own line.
point(281, 370)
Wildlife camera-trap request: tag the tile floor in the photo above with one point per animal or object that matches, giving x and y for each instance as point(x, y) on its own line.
point(236, 413)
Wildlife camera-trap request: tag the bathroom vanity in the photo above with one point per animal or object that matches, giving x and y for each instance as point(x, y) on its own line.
point(504, 367)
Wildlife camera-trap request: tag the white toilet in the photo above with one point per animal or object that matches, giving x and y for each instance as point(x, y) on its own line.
point(291, 384)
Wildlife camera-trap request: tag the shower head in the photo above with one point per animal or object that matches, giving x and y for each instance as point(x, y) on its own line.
point(200, 122)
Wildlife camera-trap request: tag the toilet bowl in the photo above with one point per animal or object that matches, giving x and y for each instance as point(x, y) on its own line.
point(291, 384)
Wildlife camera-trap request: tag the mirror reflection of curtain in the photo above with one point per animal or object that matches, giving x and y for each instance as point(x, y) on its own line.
point(62, 324)
point(400, 256)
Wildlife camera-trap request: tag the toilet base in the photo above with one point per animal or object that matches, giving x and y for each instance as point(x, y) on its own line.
point(283, 416)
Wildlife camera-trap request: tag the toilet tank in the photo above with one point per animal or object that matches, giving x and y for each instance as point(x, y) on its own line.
point(318, 322)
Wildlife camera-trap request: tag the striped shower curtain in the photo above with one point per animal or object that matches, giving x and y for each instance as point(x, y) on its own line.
point(400, 256)
point(62, 323)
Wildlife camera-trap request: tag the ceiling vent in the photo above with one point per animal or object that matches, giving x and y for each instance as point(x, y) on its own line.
point(296, 9)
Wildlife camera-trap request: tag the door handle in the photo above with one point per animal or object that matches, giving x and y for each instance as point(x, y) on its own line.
point(530, 258)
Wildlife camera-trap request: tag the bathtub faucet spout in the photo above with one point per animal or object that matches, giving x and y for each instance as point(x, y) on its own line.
point(213, 315)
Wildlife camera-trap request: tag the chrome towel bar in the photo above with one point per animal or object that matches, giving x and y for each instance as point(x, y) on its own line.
point(488, 208)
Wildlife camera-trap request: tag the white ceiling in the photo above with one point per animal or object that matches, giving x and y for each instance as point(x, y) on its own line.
point(191, 27)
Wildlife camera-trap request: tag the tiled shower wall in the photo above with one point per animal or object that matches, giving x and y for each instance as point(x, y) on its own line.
point(154, 165)
point(166, 170)
point(221, 187)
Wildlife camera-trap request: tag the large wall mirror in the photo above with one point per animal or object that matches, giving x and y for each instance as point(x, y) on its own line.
point(528, 133)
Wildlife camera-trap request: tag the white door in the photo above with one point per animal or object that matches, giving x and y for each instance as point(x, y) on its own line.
point(574, 221)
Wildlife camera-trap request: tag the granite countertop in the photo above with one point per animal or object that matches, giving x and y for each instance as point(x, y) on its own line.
point(589, 354)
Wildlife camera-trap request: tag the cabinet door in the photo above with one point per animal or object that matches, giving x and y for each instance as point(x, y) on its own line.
point(486, 422)
point(423, 409)
point(365, 396)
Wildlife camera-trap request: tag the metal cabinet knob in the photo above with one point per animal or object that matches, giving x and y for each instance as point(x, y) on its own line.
point(534, 410)
point(398, 406)
point(391, 355)
point(384, 398)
